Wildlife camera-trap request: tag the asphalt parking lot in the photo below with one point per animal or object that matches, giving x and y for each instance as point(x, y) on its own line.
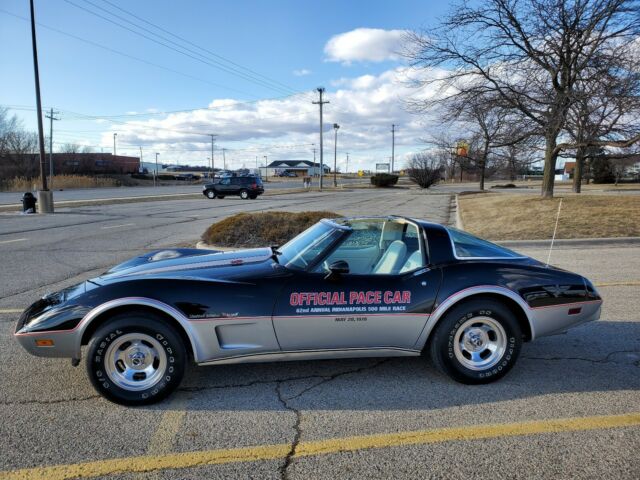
point(569, 409)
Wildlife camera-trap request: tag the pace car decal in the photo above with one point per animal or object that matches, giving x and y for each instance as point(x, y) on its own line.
point(354, 301)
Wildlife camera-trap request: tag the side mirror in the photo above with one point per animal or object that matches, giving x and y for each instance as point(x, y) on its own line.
point(336, 269)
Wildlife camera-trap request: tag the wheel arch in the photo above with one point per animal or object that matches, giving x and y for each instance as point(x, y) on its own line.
point(102, 313)
point(503, 295)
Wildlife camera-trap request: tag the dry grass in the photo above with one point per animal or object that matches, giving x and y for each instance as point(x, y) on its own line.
point(518, 217)
point(261, 229)
point(22, 184)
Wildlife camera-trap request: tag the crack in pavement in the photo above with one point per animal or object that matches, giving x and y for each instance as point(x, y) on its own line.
point(297, 426)
point(50, 401)
point(606, 359)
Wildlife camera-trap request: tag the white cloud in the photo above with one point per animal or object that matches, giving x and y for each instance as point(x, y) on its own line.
point(364, 44)
point(363, 106)
point(302, 72)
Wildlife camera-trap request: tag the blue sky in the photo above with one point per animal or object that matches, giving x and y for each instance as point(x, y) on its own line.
point(287, 41)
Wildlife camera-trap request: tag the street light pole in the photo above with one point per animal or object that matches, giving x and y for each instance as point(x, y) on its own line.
point(45, 197)
point(213, 162)
point(321, 103)
point(393, 145)
point(266, 172)
point(347, 169)
point(114, 144)
point(155, 177)
point(335, 155)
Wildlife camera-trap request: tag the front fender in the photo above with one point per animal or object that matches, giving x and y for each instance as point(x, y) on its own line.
point(196, 344)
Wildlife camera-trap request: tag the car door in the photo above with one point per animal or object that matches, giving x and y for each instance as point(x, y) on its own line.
point(223, 186)
point(356, 310)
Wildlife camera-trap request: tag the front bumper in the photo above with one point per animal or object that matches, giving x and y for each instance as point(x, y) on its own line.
point(64, 343)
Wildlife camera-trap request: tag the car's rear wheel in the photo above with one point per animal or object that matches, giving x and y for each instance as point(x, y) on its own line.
point(244, 194)
point(476, 342)
point(211, 194)
point(220, 196)
point(253, 197)
point(136, 358)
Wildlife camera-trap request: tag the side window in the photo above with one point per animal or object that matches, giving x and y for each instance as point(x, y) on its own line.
point(235, 181)
point(380, 247)
point(467, 246)
point(361, 249)
point(224, 181)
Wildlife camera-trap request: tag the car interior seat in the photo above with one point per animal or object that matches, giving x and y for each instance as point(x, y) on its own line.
point(414, 261)
point(392, 258)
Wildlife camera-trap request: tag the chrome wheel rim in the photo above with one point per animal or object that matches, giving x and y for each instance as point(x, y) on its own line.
point(480, 343)
point(210, 194)
point(135, 361)
point(244, 195)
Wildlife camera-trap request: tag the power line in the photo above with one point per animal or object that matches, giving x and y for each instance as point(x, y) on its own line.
point(167, 43)
point(199, 47)
point(132, 57)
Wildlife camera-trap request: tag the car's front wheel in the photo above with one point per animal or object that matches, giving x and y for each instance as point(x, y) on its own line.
point(136, 358)
point(476, 342)
point(211, 194)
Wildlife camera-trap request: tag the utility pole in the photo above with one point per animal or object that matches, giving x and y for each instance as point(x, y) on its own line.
point(114, 144)
point(213, 162)
point(224, 159)
point(257, 164)
point(393, 145)
point(45, 197)
point(335, 155)
point(321, 103)
point(155, 177)
point(51, 119)
point(347, 169)
point(266, 172)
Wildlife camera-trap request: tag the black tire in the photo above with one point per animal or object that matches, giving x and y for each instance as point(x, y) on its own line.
point(211, 194)
point(244, 194)
point(150, 328)
point(449, 350)
point(253, 197)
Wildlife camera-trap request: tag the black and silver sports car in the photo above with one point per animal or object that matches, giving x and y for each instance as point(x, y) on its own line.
point(358, 287)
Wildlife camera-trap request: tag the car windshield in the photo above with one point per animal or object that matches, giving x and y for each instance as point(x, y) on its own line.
point(467, 246)
point(302, 250)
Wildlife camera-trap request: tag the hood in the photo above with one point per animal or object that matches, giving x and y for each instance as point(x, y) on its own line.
point(183, 263)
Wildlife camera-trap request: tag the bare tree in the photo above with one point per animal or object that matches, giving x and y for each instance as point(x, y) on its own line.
point(605, 107)
point(70, 148)
point(425, 169)
point(530, 53)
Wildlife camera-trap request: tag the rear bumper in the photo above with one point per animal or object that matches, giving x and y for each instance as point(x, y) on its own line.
point(559, 318)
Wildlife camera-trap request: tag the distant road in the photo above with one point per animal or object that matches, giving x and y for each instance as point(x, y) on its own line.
point(10, 198)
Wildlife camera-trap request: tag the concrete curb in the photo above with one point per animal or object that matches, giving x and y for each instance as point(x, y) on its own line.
point(459, 224)
point(571, 242)
point(205, 246)
point(15, 207)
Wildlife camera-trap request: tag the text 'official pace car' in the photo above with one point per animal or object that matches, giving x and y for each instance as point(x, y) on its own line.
point(358, 287)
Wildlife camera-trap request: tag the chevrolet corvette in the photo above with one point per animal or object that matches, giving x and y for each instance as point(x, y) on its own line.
point(344, 288)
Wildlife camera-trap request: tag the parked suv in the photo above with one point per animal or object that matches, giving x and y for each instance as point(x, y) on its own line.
point(244, 186)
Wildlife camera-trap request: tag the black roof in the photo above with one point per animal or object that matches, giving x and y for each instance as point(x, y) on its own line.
point(292, 163)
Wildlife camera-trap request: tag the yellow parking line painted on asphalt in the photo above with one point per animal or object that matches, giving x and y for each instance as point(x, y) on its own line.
point(629, 283)
point(13, 241)
point(11, 310)
point(170, 423)
point(149, 463)
point(117, 226)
